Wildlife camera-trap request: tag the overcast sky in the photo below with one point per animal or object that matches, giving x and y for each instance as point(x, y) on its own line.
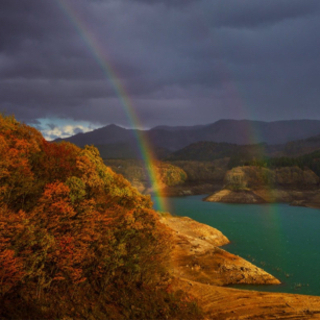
point(64, 64)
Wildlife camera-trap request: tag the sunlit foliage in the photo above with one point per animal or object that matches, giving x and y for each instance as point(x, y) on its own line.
point(76, 240)
point(166, 173)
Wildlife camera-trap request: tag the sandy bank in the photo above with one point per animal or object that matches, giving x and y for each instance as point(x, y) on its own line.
point(220, 303)
point(196, 256)
point(202, 269)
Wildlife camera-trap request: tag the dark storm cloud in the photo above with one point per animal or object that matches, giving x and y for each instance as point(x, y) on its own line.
point(179, 61)
point(244, 13)
point(259, 13)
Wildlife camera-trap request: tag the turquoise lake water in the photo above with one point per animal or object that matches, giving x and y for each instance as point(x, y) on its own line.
point(281, 239)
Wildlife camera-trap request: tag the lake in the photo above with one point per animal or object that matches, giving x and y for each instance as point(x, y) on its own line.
point(281, 239)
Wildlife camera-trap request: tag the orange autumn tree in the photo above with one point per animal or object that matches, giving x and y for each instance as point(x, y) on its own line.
point(76, 240)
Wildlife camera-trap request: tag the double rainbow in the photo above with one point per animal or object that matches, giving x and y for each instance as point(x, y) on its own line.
point(100, 56)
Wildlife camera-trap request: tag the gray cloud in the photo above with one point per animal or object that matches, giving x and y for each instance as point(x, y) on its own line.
point(177, 62)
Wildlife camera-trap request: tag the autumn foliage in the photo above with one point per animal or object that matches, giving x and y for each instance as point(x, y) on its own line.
point(76, 240)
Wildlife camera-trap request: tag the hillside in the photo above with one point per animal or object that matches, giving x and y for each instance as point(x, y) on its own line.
point(253, 178)
point(204, 151)
point(239, 154)
point(76, 240)
point(167, 174)
point(209, 151)
point(175, 177)
point(301, 147)
point(252, 184)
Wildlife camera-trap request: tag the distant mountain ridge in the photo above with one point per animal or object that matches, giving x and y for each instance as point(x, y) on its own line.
point(209, 151)
point(239, 132)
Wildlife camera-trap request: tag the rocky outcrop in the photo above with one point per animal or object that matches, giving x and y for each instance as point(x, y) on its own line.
point(229, 196)
point(196, 256)
point(197, 233)
point(254, 185)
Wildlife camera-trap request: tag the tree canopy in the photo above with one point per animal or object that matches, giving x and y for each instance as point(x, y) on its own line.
point(76, 240)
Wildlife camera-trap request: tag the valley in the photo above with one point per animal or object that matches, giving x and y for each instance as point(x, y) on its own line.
point(203, 158)
point(74, 227)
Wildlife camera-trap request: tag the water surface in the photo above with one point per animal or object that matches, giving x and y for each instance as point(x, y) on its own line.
point(281, 239)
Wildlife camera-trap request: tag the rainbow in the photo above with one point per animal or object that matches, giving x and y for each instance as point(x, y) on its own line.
point(253, 134)
point(100, 56)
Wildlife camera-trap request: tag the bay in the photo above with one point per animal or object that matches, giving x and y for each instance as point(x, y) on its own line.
point(281, 239)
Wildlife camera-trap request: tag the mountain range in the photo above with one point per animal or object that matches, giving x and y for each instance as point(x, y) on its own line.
point(118, 142)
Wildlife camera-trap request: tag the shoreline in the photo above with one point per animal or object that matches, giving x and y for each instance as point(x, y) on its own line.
point(194, 257)
point(293, 197)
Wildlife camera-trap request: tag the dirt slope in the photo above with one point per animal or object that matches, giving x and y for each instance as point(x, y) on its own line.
point(202, 269)
point(221, 303)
